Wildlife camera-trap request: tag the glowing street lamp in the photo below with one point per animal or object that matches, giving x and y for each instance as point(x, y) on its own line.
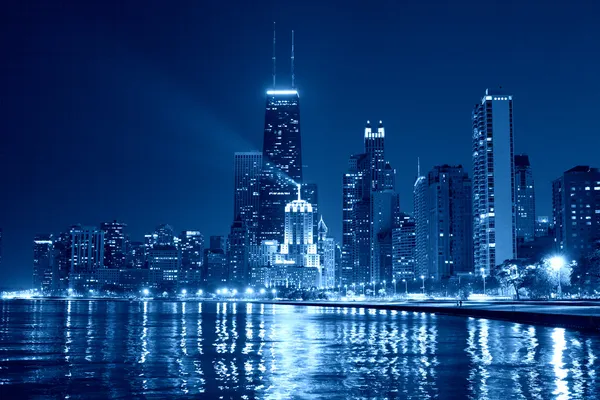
point(145, 292)
point(394, 282)
point(483, 278)
point(184, 292)
point(199, 292)
point(345, 290)
point(263, 291)
point(249, 291)
point(557, 263)
point(423, 286)
point(405, 286)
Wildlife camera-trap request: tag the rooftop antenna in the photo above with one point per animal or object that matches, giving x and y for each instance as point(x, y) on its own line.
point(418, 166)
point(299, 186)
point(293, 76)
point(274, 55)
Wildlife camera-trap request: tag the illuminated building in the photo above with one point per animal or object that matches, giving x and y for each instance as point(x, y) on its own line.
point(421, 215)
point(494, 219)
point(164, 263)
point(449, 222)
point(542, 226)
point(43, 262)
point(215, 262)
point(136, 255)
point(282, 161)
point(191, 246)
point(115, 244)
point(326, 251)
point(576, 210)
point(525, 191)
point(246, 199)
point(403, 248)
point(237, 253)
point(87, 256)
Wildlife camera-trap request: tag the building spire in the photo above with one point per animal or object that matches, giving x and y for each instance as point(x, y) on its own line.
point(274, 57)
point(293, 76)
point(418, 166)
point(299, 186)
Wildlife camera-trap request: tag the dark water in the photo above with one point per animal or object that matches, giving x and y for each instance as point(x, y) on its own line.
point(104, 349)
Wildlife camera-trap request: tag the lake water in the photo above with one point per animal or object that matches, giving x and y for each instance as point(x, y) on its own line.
point(111, 349)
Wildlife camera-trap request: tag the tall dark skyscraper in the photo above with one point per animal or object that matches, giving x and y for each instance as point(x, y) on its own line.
point(576, 210)
point(237, 253)
point(421, 224)
point(403, 248)
point(525, 191)
point(246, 198)
point(494, 219)
point(87, 256)
point(282, 161)
point(449, 222)
point(43, 261)
point(191, 247)
point(115, 244)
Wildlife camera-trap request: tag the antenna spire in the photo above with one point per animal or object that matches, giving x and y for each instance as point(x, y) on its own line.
point(293, 76)
point(418, 166)
point(299, 186)
point(274, 58)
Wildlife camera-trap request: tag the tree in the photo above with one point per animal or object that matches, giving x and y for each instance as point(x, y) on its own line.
point(586, 273)
point(513, 274)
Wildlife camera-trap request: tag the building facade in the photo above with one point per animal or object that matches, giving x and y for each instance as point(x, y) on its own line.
point(87, 256)
point(115, 244)
point(43, 263)
point(246, 198)
point(494, 211)
point(576, 210)
point(421, 211)
point(237, 253)
point(282, 161)
point(525, 192)
point(404, 248)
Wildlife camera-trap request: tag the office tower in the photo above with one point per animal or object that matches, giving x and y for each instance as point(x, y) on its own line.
point(381, 214)
point(421, 211)
point(237, 253)
point(164, 264)
point(246, 199)
point(494, 220)
point(136, 255)
point(115, 244)
point(525, 199)
point(576, 210)
point(338, 264)
point(449, 222)
point(403, 248)
point(62, 260)
point(87, 256)
point(215, 262)
point(375, 150)
point(191, 246)
point(542, 227)
point(163, 236)
point(352, 186)
point(43, 261)
point(326, 251)
point(282, 161)
point(310, 193)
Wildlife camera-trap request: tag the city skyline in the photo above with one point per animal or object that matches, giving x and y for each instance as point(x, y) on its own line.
point(51, 203)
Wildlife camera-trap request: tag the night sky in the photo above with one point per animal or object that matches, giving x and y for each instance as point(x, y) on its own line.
point(133, 110)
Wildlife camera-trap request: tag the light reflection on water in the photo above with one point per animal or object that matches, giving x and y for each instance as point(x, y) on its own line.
point(98, 349)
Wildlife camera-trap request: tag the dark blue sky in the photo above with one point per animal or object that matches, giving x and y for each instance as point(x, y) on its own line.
point(133, 111)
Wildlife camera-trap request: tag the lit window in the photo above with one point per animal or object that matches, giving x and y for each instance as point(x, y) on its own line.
point(587, 188)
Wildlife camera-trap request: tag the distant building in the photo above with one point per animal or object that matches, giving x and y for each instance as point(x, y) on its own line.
point(237, 253)
point(525, 191)
point(494, 219)
point(404, 248)
point(449, 222)
point(310, 193)
point(421, 225)
point(43, 263)
point(326, 251)
point(136, 255)
point(87, 256)
point(216, 272)
point(576, 210)
point(164, 236)
point(164, 263)
point(246, 198)
point(115, 244)
point(191, 246)
point(282, 161)
point(63, 244)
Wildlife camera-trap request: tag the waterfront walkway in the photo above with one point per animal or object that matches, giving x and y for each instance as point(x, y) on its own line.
point(571, 314)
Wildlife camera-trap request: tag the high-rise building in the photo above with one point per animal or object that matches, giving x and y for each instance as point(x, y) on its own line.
point(542, 226)
point(375, 151)
point(164, 263)
point(237, 253)
point(216, 272)
point(43, 261)
point(163, 236)
point(63, 244)
point(494, 219)
point(421, 211)
point(449, 222)
point(246, 199)
point(525, 199)
point(136, 255)
point(87, 256)
point(403, 248)
point(382, 204)
point(115, 244)
point(310, 193)
point(282, 161)
point(326, 251)
point(191, 246)
point(576, 210)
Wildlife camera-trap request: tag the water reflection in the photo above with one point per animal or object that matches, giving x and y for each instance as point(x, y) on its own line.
point(237, 350)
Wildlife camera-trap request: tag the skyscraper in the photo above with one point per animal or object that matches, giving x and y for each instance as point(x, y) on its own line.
point(87, 256)
point(246, 199)
point(403, 248)
point(525, 191)
point(421, 224)
point(282, 161)
point(115, 244)
point(494, 220)
point(43, 262)
point(237, 253)
point(326, 251)
point(191, 246)
point(298, 244)
point(576, 210)
point(449, 222)
point(215, 262)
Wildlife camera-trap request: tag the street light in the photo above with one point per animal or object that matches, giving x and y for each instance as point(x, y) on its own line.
point(405, 286)
point(423, 286)
point(346, 290)
point(557, 263)
point(184, 292)
point(145, 292)
point(483, 278)
point(384, 288)
point(394, 282)
point(199, 292)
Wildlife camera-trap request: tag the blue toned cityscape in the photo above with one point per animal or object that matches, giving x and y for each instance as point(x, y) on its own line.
point(196, 217)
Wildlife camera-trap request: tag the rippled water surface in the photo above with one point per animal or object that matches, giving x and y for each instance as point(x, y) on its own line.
point(109, 349)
